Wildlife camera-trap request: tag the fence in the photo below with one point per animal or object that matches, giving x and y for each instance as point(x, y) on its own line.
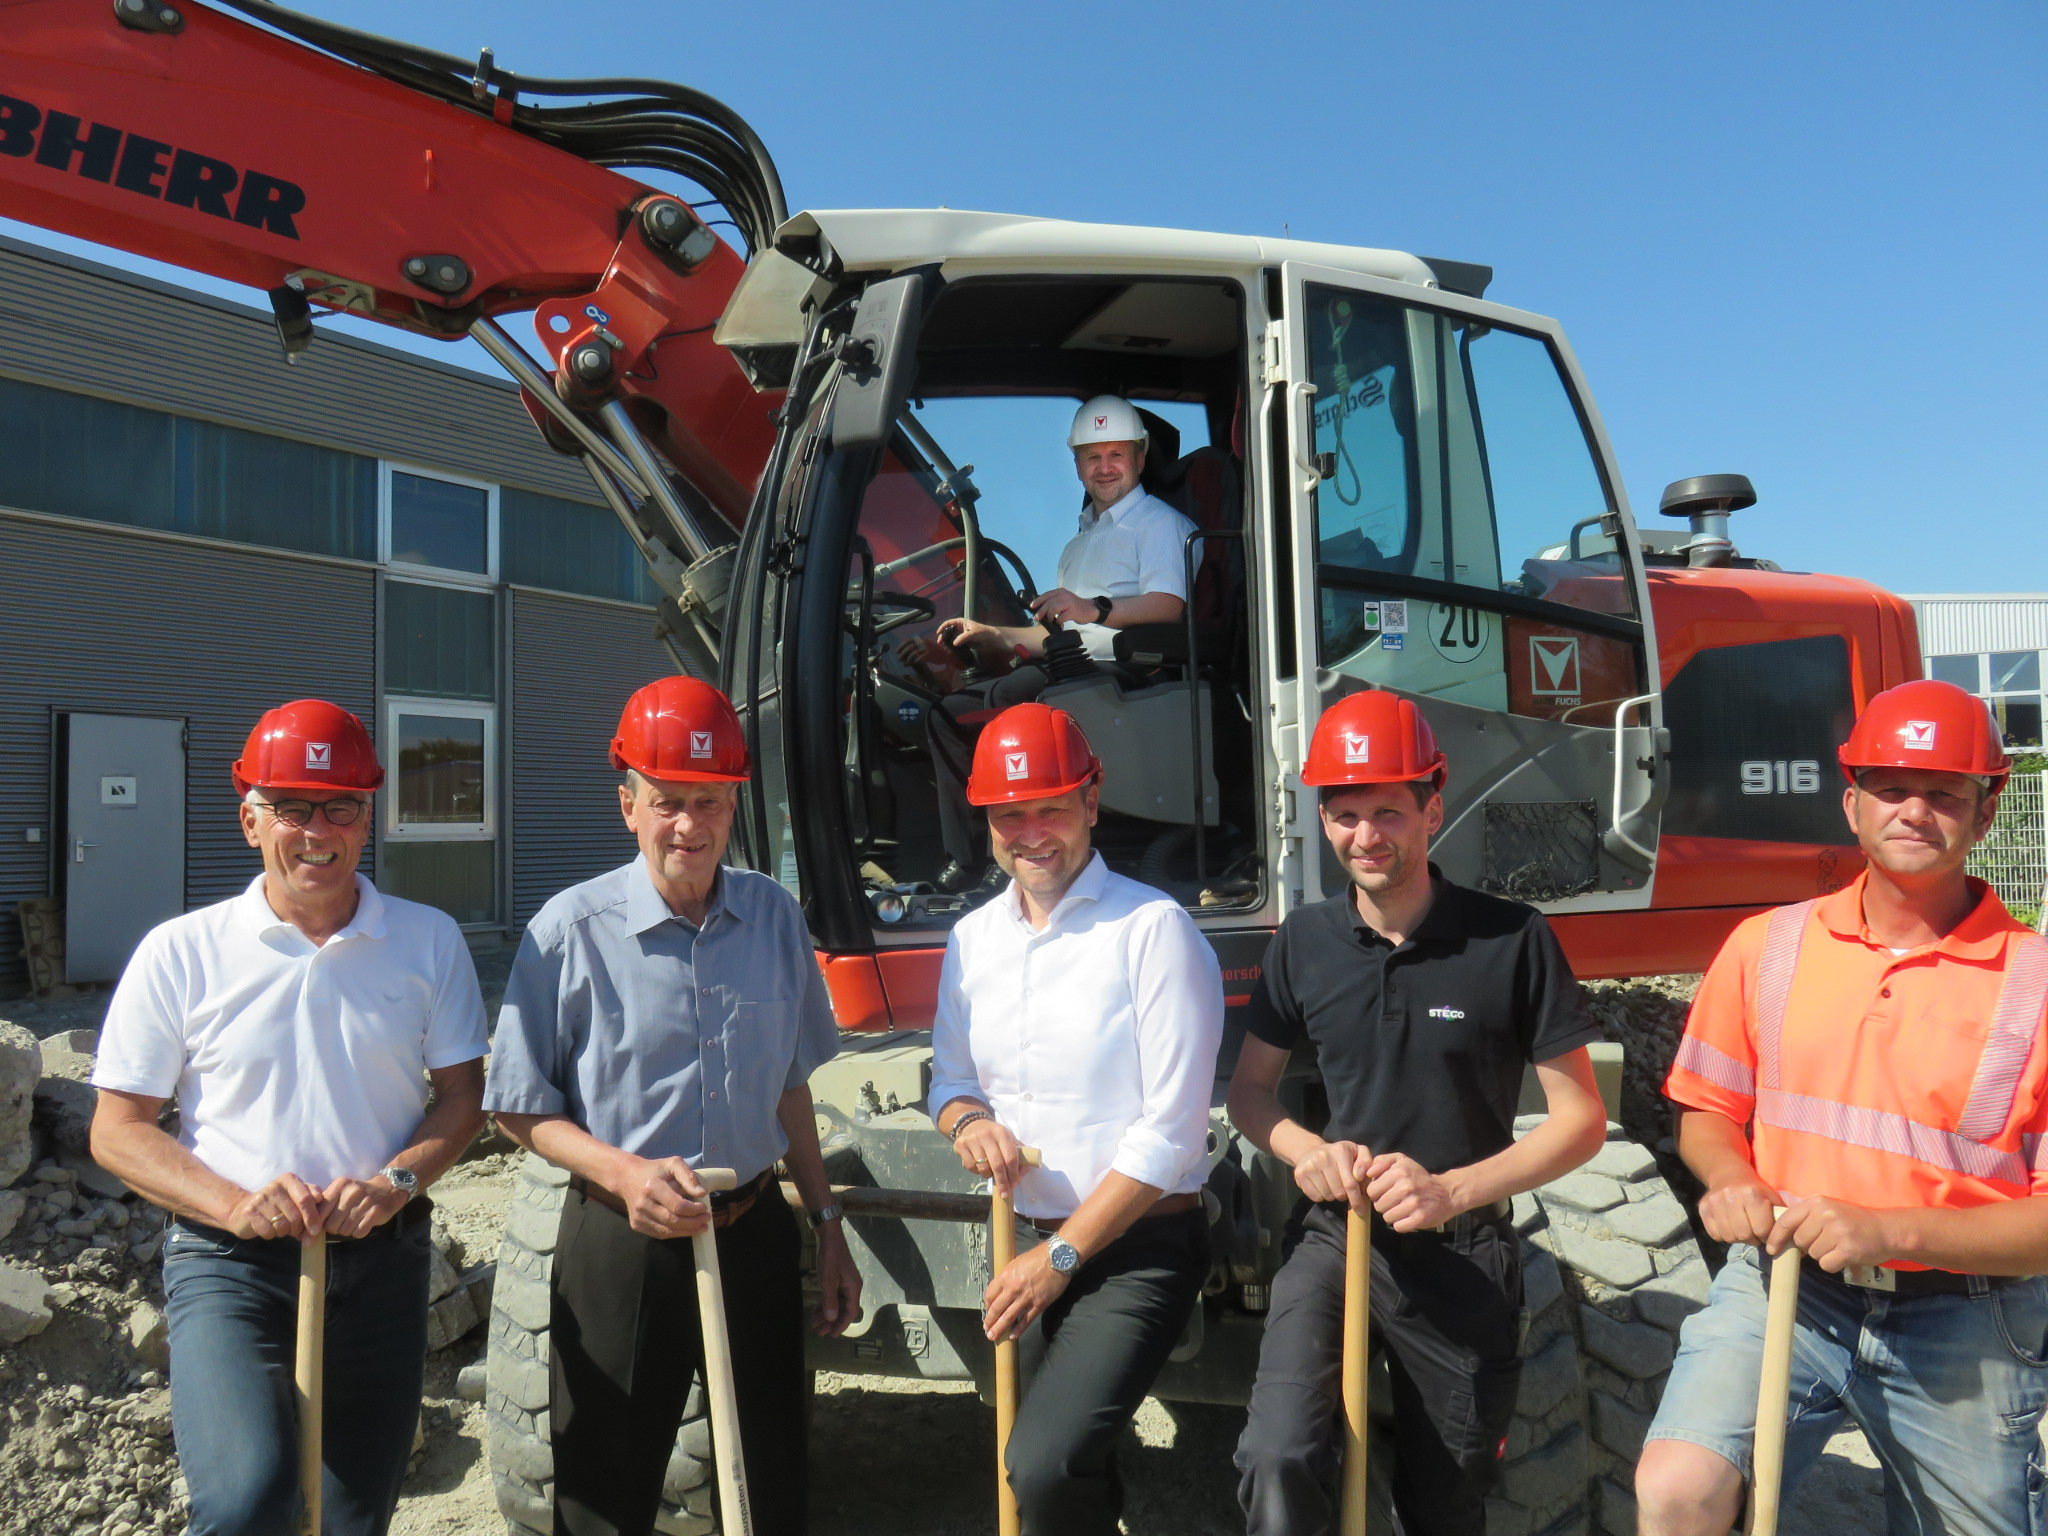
point(2014, 858)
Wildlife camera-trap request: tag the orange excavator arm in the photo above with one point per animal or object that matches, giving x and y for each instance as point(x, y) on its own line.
point(340, 171)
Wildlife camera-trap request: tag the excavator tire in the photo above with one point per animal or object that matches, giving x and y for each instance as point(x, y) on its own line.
point(1610, 1271)
point(516, 1379)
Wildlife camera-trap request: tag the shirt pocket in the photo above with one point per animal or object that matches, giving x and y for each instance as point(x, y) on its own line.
point(760, 1044)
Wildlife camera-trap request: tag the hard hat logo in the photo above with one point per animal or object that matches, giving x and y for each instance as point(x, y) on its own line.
point(320, 756)
point(1017, 765)
point(1357, 749)
point(1102, 421)
point(700, 743)
point(1917, 735)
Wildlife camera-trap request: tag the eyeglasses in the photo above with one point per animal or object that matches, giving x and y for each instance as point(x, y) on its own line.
point(299, 813)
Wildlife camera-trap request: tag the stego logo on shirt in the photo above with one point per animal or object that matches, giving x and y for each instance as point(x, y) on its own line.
point(1017, 764)
point(1917, 735)
point(1447, 1013)
point(700, 743)
point(320, 755)
point(1357, 749)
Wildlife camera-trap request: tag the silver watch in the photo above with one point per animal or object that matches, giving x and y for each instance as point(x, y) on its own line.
point(825, 1213)
point(1062, 1255)
point(404, 1180)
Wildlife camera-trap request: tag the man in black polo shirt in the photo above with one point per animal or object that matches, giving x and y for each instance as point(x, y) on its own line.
point(1425, 1002)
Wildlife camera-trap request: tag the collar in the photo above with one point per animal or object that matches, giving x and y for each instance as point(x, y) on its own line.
point(1981, 935)
point(1117, 512)
point(1437, 923)
point(1087, 886)
point(262, 918)
point(647, 909)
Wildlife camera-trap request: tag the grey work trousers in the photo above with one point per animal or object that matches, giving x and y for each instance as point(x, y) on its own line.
point(1087, 1364)
point(1446, 1309)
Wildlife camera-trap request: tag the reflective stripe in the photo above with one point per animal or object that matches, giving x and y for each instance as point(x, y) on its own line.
point(1882, 1131)
point(1717, 1067)
point(1784, 931)
point(2014, 1029)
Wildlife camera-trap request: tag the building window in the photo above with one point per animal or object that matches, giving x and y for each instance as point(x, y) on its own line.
point(2015, 671)
point(440, 641)
point(441, 806)
point(1964, 671)
point(440, 523)
point(571, 546)
point(2020, 720)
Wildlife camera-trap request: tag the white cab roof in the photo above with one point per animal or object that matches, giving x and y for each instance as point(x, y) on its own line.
point(766, 309)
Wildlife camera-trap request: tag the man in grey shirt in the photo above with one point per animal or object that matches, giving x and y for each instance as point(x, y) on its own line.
point(660, 1018)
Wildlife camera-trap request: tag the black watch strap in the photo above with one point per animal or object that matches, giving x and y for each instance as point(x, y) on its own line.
point(1102, 607)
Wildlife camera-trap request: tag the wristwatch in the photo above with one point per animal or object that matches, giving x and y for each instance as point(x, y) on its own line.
point(1062, 1255)
point(404, 1180)
point(1102, 607)
point(825, 1213)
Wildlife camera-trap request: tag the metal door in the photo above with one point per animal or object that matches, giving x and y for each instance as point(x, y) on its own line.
point(124, 848)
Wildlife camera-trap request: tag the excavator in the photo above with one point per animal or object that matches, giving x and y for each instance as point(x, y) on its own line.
point(1395, 483)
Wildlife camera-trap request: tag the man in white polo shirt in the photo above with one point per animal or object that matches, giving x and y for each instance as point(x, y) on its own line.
point(1079, 1013)
point(1125, 565)
point(299, 1024)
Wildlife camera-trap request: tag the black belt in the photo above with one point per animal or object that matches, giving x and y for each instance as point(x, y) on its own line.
point(415, 1211)
point(1907, 1282)
point(727, 1205)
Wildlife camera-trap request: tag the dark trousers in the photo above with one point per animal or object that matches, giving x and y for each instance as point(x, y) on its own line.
point(626, 1343)
point(232, 1305)
point(1088, 1363)
point(1446, 1309)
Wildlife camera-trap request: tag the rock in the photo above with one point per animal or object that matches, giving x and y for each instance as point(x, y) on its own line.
point(92, 1177)
point(150, 1410)
point(148, 1337)
point(63, 1295)
point(84, 1042)
point(441, 1279)
point(21, 1065)
point(78, 1227)
point(65, 1098)
point(13, 1203)
point(52, 1174)
point(479, 1282)
point(145, 1252)
point(65, 1459)
point(24, 1303)
point(450, 1318)
point(469, 1382)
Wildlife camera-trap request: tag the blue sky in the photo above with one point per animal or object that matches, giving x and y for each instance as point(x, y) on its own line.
point(1799, 241)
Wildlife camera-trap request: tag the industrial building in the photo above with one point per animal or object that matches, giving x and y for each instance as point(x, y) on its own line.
point(192, 530)
point(1995, 644)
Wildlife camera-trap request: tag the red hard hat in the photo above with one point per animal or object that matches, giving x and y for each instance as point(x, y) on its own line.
point(1030, 752)
point(681, 731)
point(307, 744)
point(1929, 725)
point(1372, 737)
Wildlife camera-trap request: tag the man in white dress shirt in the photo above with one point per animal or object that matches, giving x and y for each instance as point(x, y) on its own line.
point(1126, 565)
point(1079, 1013)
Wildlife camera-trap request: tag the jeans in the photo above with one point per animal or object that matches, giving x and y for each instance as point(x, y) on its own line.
point(1949, 1390)
point(1446, 1308)
point(1088, 1362)
point(232, 1305)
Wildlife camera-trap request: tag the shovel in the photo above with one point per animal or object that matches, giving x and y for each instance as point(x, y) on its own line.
point(310, 1370)
point(1002, 1250)
point(1357, 1346)
point(736, 1515)
point(1772, 1395)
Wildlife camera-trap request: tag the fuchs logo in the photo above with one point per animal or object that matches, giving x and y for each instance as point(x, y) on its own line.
point(1917, 735)
point(1102, 423)
point(320, 756)
point(184, 178)
point(1357, 749)
point(700, 743)
point(1447, 1013)
point(1017, 764)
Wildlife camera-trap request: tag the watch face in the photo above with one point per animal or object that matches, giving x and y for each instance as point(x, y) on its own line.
point(1063, 1256)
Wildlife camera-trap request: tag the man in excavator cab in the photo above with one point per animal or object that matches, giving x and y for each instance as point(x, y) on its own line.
point(1123, 567)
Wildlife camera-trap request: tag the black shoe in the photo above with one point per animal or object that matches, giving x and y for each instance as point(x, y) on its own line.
point(957, 878)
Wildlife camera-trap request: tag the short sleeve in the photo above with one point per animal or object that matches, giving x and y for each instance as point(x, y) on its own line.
point(456, 1032)
point(817, 1032)
point(525, 1076)
point(1555, 1017)
point(1162, 554)
point(1273, 1015)
point(1715, 1067)
point(142, 1040)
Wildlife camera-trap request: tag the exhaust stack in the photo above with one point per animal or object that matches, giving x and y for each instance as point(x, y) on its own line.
point(1707, 500)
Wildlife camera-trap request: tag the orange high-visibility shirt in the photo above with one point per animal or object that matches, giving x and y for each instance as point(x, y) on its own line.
point(1888, 1080)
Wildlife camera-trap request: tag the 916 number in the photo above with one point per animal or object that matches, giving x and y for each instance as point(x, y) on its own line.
point(1761, 776)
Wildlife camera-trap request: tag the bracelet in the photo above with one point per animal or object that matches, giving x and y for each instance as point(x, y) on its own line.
point(966, 1120)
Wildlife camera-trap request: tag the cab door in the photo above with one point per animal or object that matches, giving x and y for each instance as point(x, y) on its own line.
point(1460, 536)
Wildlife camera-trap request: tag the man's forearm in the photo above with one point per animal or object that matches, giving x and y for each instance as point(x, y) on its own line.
point(1145, 608)
point(1257, 1114)
point(567, 1145)
point(2007, 1238)
point(806, 1163)
point(1714, 1148)
point(1550, 1151)
point(445, 1131)
point(163, 1172)
point(1107, 1213)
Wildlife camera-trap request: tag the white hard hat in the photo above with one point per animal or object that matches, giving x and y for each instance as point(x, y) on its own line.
point(1107, 419)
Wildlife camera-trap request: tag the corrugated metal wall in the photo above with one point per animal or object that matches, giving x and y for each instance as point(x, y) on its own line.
point(77, 325)
point(574, 664)
point(1958, 626)
point(135, 625)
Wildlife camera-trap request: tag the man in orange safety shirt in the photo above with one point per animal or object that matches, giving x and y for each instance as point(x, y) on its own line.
point(1875, 1061)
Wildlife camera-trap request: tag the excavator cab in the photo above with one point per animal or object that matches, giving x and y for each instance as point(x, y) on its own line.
point(1392, 485)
